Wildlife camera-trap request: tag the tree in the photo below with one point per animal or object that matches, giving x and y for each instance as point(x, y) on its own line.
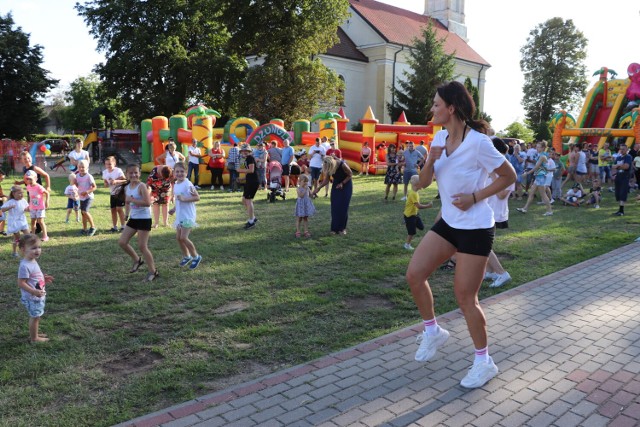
point(86, 95)
point(22, 81)
point(298, 90)
point(163, 55)
point(518, 130)
point(554, 71)
point(431, 67)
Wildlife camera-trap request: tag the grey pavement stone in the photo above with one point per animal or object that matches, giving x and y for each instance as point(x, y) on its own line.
point(183, 422)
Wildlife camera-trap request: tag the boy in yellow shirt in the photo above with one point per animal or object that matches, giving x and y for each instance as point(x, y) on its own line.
point(411, 218)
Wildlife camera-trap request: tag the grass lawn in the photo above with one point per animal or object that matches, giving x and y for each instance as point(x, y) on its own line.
point(260, 301)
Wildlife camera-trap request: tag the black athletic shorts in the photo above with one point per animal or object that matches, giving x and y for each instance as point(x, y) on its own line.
point(473, 242)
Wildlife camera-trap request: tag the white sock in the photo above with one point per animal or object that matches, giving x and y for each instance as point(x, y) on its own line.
point(482, 355)
point(430, 326)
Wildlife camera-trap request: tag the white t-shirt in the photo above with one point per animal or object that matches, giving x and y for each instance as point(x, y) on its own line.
point(15, 217)
point(531, 157)
point(82, 155)
point(550, 166)
point(185, 211)
point(315, 156)
point(466, 171)
point(194, 150)
point(116, 173)
point(170, 159)
point(137, 211)
point(582, 163)
point(500, 206)
point(84, 184)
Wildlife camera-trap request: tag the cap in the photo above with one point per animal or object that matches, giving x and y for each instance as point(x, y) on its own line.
point(30, 174)
point(245, 147)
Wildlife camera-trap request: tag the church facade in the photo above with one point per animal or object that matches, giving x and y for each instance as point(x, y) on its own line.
point(374, 47)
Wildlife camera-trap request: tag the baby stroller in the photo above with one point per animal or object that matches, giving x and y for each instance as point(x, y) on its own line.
point(275, 182)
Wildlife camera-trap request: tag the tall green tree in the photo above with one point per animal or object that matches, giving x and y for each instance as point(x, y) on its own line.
point(554, 71)
point(520, 131)
point(85, 96)
point(430, 67)
point(23, 81)
point(163, 55)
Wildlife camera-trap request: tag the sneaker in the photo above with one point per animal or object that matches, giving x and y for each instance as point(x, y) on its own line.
point(490, 276)
point(91, 231)
point(83, 232)
point(77, 219)
point(15, 255)
point(195, 262)
point(222, 188)
point(479, 374)
point(429, 344)
point(45, 239)
point(552, 201)
point(596, 207)
point(66, 221)
point(547, 214)
point(197, 187)
point(404, 199)
point(4, 233)
point(500, 280)
point(619, 213)
point(186, 260)
point(212, 188)
point(113, 230)
point(120, 230)
point(249, 225)
point(408, 246)
point(521, 210)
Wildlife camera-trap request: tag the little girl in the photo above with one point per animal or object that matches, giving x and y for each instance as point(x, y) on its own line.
point(38, 203)
point(159, 182)
point(185, 195)
point(2, 200)
point(72, 198)
point(137, 205)
point(31, 282)
point(304, 205)
point(86, 187)
point(15, 209)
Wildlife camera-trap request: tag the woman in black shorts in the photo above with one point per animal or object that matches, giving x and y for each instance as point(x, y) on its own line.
point(248, 167)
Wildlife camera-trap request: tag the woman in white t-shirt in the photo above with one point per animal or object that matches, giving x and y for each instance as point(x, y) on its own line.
point(170, 156)
point(78, 154)
point(461, 157)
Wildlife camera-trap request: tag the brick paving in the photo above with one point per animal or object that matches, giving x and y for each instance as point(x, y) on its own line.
point(567, 346)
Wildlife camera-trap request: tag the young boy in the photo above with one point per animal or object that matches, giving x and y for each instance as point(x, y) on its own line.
point(411, 218)
point(86, 187)
point(71, 191)
point(113, 176)
point(594, 195)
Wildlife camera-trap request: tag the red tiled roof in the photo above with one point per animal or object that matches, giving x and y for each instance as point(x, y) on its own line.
point(400, 26)
point(346, 48)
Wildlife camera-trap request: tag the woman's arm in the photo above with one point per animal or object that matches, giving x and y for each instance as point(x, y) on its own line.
point(347, 171)
point(161, 157)
point(426, 173)
point(41, 172)
point(506, 176)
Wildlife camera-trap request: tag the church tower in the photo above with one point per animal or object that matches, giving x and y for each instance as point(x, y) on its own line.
point(450, 13)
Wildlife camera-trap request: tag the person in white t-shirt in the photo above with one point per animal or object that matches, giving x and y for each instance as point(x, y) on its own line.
point(194, 162)
point(316, 154)
point(112, 177)
point(461, 157)
point(78, 154)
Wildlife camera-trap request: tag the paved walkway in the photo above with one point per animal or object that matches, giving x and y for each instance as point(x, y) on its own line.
point(567, 346)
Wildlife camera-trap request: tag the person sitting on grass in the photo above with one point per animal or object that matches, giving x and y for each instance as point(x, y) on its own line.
point(574, 196)
point(594, 197)
point(411, 219)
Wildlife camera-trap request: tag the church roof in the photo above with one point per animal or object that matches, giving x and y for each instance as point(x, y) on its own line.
point(346, 48)
point(400, 26)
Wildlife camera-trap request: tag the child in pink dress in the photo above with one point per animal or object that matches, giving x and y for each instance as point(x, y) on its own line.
point(38, 203)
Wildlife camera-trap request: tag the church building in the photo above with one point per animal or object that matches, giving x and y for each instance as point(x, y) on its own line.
point(374, 47)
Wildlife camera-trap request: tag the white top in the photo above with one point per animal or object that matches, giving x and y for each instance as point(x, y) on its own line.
point(532, 155)
point(466, 171)
point(170, 159)
point(135, 211)
point(315, 156)
point(16, 218)
point(116, 173)
point(84, 184)
point(550, 166)
point(194, 150)
point(82, 155)
point(71, 191)
point(185, 211)
point(582, 163)
point(500, 206)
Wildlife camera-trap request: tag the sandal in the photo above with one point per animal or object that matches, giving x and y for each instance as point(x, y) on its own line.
point(297, 234)
point(150, 277)
point(448, 266)
point(137, 265)
point(307, 234)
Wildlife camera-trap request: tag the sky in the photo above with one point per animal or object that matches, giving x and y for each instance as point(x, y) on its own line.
point(496, 29)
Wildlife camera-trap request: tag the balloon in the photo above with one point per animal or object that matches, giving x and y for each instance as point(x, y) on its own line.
point(48, 146)
point(47, 152)
point(43, 148)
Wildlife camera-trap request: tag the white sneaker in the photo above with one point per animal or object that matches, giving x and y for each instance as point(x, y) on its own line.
point(552, 201)
point(408, 246)
point(490, 276)
point(404, 199)
point(500, 280)
point(212, 188)
point(547, 214)
point(596, 207)
point(479, 374)
point(429, 344)
point(222, 188)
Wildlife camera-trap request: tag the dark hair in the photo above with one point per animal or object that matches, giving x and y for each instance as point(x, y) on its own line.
point(455, 94)
point(500, 145)
point(28, 240)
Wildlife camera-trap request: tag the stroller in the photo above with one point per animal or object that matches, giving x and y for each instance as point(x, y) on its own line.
point(275, 182)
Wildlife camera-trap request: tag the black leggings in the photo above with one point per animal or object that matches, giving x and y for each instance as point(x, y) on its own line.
point(216, 176)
